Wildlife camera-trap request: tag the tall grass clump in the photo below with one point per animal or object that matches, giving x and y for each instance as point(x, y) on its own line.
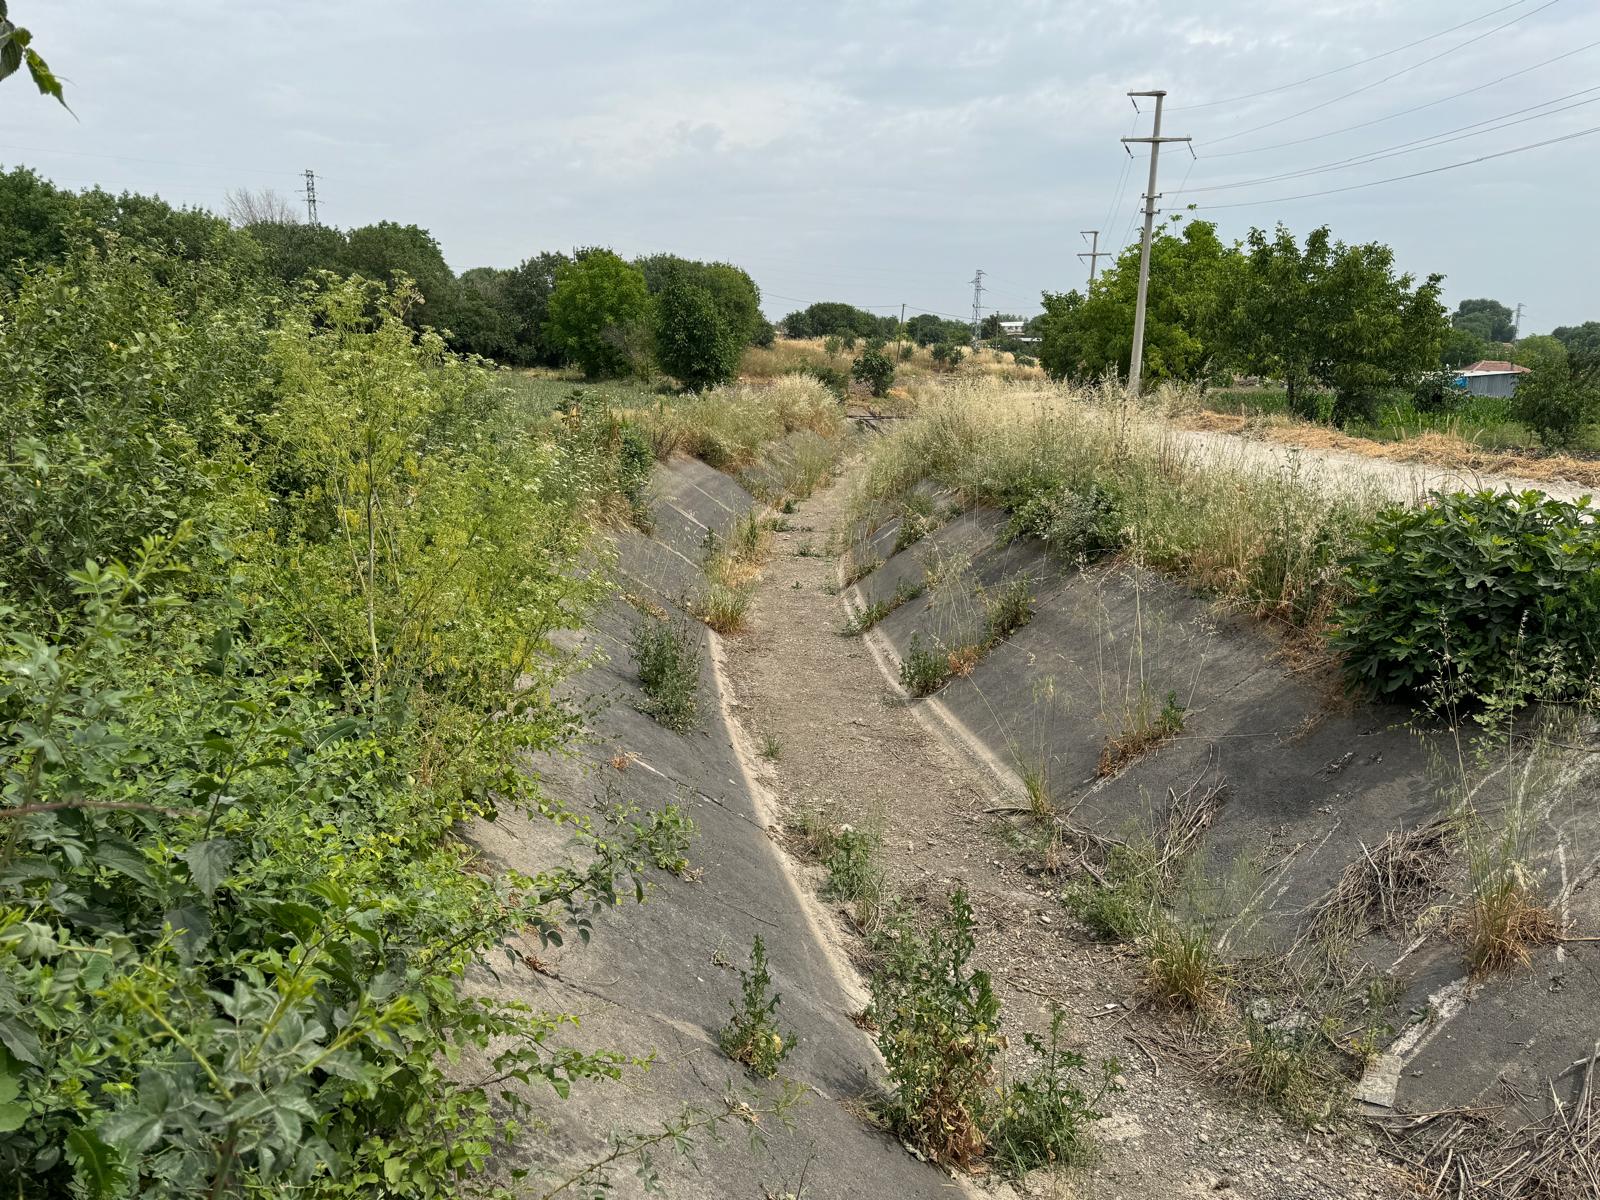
point(1091, 472)
point(728, 427)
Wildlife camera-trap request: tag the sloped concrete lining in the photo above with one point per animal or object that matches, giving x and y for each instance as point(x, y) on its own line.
point(1312, 782)
point(661, 978)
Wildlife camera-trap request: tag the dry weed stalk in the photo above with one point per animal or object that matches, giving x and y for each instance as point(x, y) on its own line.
point(1388, 886)
point(1465, 1156)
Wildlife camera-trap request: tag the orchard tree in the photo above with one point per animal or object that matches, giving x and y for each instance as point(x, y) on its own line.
point(600, 313)
point(694, 341)
point(1189, 269)
point(1557, 399)
point(1329, 314)
point(875, 369)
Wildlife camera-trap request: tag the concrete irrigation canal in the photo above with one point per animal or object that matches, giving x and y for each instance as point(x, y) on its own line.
point(1279, 795)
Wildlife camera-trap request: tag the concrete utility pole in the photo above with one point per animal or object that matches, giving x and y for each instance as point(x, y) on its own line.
point(901, 340)
point(977, 305)
point(1516, 325)
point(1095, 253)
point(1155, 141)
point(311, 196)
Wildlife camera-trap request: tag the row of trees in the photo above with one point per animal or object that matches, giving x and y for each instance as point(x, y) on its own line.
point(691, 319)
point(1322, 317)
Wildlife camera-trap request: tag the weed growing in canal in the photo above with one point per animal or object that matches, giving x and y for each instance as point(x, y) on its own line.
point(667, 655)
point(752, 1036)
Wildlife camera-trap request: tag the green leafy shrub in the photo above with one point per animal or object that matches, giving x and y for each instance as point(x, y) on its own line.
point(752, 1037)
point(1010, 607)
point(832, 378)
point(948, 356)
point(875, 369)
point(667, 656)
point(1071, 523)
point(1043, 1119)
point(832, 344)
point(1452, 599)
point(924, 669)
point(279, 595)
point(938, 1026)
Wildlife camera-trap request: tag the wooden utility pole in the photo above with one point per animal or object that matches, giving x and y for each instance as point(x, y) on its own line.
point(1155, 142)
point(1095, 253)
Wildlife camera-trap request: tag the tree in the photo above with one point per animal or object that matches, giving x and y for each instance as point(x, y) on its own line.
point(16, 50)
point(483, 323)
point(1581, 341)
point(1329, 314)
point(1557, 400)
point(1489, 319)
point(388, 249)
point(527, 289)
point(1462, 347)
point(1060, 350)
point(731, 289)
point(831, 318)
point(291, 251)
point(1187, 276)
point(694, 341)
point(261, 206)
point(1539, 349)
point(35, 220)
point(599, 311)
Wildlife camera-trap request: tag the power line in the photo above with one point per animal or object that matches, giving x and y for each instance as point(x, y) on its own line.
point(1404, 112)
point(1367, 87)
point(1566, 137)
point(1427, 143)
point(1284, 87)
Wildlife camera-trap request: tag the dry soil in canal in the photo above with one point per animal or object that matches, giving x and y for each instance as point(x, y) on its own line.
point(854, 747)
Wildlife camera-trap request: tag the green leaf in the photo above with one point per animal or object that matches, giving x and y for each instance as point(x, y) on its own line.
point(208, 863)
point(12, 1115)
point(132, 1129)
point(98, 1168)
point(21, 1040)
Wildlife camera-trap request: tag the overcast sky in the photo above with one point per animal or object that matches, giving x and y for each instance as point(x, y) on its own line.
point(869, 152)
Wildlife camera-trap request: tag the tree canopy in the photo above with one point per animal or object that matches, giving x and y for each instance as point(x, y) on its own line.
point(600, 313)
point(832, 318)
point(1488, 319)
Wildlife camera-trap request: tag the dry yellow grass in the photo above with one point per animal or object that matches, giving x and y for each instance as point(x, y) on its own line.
point(1436, 449)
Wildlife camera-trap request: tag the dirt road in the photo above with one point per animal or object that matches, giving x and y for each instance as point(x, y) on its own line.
point(851, 745)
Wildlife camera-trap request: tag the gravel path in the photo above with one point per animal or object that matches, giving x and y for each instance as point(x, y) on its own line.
point(854, 747)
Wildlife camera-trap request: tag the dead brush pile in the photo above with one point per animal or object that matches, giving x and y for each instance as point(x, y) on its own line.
point(1389, 886)
point(1465, 1155)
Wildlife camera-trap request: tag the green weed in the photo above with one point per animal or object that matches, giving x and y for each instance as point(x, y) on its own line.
point(924, 670)
point(1043, 1119)
point(667, 657)
point(752, 1037)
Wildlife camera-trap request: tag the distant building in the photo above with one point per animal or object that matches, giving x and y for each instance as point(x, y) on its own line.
point(1012, 328)
point(1490, 377)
